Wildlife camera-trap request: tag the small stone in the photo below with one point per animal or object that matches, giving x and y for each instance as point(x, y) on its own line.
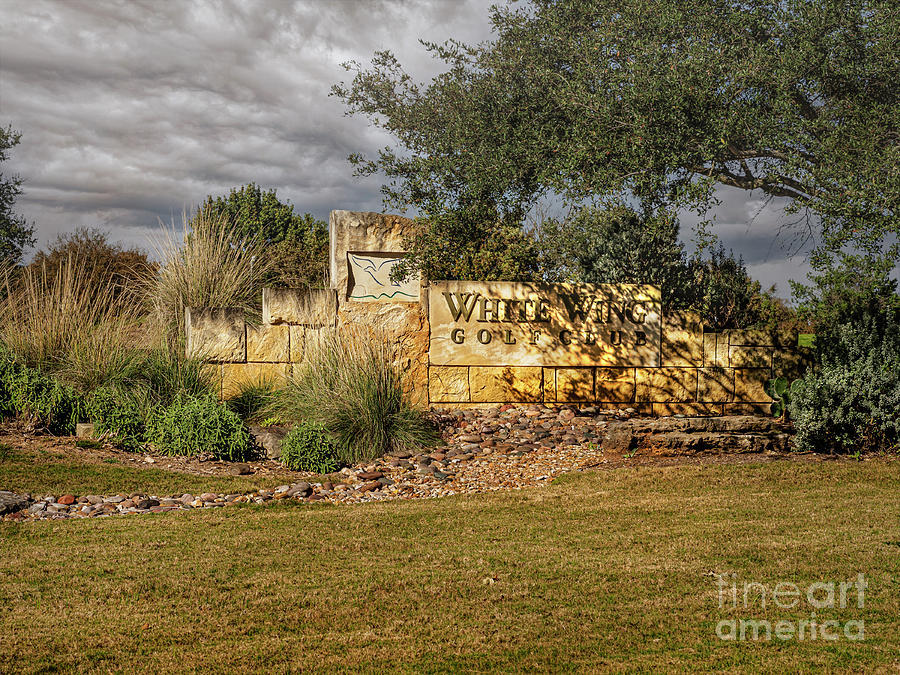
point(470, 438)
point(209, 496)
point(116, 499)
point(66, 500)
point(369, 475)
point(94, 499)
point(368, 487)
point(186, 498)
point(241, 470)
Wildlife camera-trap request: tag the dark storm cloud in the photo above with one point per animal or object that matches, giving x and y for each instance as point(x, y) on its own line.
point(133, 110)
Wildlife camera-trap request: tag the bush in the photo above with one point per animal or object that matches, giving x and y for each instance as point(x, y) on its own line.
point(40, 399)
point(120, 417)
point(190, 426)
point(850, 403)
point(351, 386)
point(308, 447)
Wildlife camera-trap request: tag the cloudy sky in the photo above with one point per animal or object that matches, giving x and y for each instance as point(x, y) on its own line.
point(133, 110)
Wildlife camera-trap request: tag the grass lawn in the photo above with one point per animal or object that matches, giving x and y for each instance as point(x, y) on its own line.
point(54, 471)
point(609, 570)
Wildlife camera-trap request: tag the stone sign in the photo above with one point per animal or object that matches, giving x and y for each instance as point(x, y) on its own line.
point(370, 279)
point(532, 324)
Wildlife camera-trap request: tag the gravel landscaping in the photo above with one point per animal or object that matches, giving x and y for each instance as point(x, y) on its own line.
point(484, 450)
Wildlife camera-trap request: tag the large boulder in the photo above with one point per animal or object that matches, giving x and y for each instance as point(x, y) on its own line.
point(10, 502)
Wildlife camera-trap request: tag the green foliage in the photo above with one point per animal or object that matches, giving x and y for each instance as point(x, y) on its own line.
point(724, 294)
point(118, 416)
point(253, 400)
point(308, 447)
point(618, 246)
point(850, 402)
point(783, 392)
point(15, 232)
point(38, 398)
point(665, 100)
point(165, 375)
point(191, 426)
point(298, 244)
point(352, 386)
point(470, 243)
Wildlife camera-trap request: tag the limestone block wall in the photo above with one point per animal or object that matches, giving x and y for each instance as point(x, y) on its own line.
point(469, 344)
point(698, 373)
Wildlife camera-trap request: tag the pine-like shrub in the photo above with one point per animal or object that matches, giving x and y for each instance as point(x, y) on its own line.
point(119, 416)
point(308, 447)
point(191, 426)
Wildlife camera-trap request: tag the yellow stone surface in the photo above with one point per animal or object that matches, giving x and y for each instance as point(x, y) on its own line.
point(748, 409)
point(791, 363)
point(268, 343)
point(749, 385)
point(513, 384)
point(234, 375)
point(682, 339)
point(314, 306)
point(689, 409)
point(709, 350)
point(531, 324)
point(751, 338)
point(614, 385)
point(448, 384)
point(750, 357)
point(715, 385)
point(574, 384)
point(298, 343)
point(215, 334)
point(550, 385)
point(666, 385)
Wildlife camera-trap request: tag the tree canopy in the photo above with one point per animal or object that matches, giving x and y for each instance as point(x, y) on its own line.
point(299, 243)
point(590, 99)
point(15, 232)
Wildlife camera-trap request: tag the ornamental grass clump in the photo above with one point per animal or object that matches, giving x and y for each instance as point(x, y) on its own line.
point(214, 266)
point(352, 386)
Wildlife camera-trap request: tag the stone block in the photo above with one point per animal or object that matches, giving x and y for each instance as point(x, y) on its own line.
point(310, 307)
point(512, 384)
point(682, 339)
point(749, 385)
point(448, 384)
point(666, 385)
point(747, 409)
point(574, 385)
point(85, 430)
point(709, 350)
point(749, 357)
point(715, 385)
point(688, 409)
point(236, 375)
point(751, 338)
point(268, 343)
point(216, 334)
point(297, 343)
point(549, 385)
point(614, 385)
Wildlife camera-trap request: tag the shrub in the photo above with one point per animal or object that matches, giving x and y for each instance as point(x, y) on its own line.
point(850, 403)
point(308, 447)
point(165, 374)
point(253, 401)
point(190, 426)
point(352, 386)
point(40, 399)
point(104, 263)
point(119, 416)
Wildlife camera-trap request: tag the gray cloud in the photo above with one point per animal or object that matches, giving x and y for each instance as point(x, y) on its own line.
point(131, 111)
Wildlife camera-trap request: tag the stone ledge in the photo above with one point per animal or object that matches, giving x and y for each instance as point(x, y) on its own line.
point(215, 333)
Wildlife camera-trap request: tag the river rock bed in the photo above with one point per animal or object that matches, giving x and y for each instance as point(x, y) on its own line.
point(484, 450)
